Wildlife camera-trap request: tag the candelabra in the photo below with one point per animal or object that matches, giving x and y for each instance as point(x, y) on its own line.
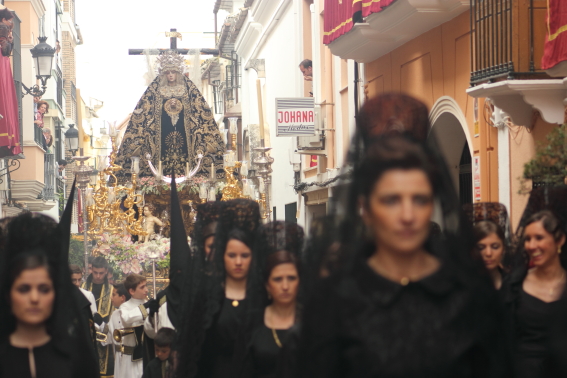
point(82, 177)
point(264, 171)
point(104, 205)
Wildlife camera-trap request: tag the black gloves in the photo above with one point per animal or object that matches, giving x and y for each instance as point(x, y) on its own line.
point(152, 306)
point(97, 318)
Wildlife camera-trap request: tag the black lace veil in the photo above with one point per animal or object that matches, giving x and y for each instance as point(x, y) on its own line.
point(37, 234)
point(203, 289)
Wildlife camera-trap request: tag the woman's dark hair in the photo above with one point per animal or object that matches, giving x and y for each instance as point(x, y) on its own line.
point(393, 152)
point(485, 228)
point(550, 223)
point(6, 14)
point(278, 258)
point(241, 236)
point(25, 261)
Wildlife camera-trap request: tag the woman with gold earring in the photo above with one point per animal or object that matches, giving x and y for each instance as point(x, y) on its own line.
point(534, 293)
point(276, 281)
point(216, 296)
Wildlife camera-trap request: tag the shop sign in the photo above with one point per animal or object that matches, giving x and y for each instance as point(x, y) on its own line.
point(295, 117)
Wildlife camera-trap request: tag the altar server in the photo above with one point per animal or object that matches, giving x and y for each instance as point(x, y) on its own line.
point(132, 315)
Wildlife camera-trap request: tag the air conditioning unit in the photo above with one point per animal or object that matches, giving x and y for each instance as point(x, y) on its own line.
point(314, 145)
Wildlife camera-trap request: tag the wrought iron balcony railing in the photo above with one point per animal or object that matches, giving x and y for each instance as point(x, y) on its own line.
point(507, 39)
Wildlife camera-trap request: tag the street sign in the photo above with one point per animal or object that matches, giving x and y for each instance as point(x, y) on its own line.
point(295, 117)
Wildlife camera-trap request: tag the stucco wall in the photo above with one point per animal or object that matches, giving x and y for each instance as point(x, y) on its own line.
point(437, 64)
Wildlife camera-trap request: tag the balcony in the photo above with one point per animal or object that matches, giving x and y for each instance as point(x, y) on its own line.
point(507, 44)
point(49, 190)
point(395, 25)
point(507, 40)
point(38, 135)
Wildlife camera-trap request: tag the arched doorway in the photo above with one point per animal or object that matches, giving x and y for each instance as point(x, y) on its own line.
point(455, 149)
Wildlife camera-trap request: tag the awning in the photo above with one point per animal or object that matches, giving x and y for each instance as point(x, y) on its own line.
point(341, 14)
point(555, 50)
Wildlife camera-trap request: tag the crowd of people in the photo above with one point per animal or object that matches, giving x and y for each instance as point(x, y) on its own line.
point(399, 280)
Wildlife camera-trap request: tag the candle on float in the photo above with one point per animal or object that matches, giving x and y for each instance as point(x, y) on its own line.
point(251, 191)
point(261, 186)
point(212, 194)
point(244, 169)
point(160, 172)
point(231, 158)
point(110, 195)
point(203, 191)
point(213, 176)
point(187, 169)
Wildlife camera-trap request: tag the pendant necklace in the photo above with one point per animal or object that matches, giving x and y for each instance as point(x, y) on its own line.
point(276, 338)
point(235, 303)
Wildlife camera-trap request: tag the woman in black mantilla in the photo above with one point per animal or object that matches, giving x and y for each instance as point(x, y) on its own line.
point(405, 304)
point(42, 331)
point(173, 124)
point(216, 296)
point(535, 295)
point(492, 238)
point(274, 289)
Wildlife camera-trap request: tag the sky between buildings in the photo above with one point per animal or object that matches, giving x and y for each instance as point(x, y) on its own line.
point(109, 28)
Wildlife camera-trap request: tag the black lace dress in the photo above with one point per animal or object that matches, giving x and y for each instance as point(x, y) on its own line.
point(363, 325)
point(218, 348)
point(49, 362)
point(533, 317)
point(264, 353)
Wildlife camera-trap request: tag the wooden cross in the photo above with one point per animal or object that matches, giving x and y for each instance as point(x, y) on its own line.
point(173, 34)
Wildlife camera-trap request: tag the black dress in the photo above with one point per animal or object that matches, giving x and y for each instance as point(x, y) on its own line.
point(363, 325)
point(264, 352)
point(533, 317)
point(218, 347)
point(49, 362)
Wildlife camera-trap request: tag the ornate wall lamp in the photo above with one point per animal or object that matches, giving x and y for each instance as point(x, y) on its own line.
point(43, 57)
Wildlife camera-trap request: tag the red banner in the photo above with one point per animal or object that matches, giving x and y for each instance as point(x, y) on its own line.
point(373, 6)
point(555, 50)
point(339, 15)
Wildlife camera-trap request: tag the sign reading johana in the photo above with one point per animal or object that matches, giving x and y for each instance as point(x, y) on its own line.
point(295, 117)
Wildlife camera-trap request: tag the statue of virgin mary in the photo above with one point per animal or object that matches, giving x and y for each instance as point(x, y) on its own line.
point(173, 124)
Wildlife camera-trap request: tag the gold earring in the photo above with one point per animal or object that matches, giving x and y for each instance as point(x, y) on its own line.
point(559, 250)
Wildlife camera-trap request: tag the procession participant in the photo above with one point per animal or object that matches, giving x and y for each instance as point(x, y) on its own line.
point(42, 331)
point(275, 279)
point(204, 231)
point(132, 315)
point(159, 366)
point(97, 283)
point(77, 279)
point(215, 300)
point(535, 292)
point(167, 302)
point(119, 296)
point(402, 306)
point(492, 237)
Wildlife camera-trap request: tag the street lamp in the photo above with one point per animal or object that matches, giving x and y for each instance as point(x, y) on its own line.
point(72, 139)
point(42, 54)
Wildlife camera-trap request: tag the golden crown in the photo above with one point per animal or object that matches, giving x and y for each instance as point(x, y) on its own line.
point(170, 61)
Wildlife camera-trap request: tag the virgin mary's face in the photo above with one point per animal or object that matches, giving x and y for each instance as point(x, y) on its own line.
point(398, 210)
point(171, 76)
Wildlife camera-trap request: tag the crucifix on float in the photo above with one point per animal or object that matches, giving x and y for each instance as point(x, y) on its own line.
point(173, 34)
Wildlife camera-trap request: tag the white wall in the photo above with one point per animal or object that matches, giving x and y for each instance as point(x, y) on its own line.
point(282, 56)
